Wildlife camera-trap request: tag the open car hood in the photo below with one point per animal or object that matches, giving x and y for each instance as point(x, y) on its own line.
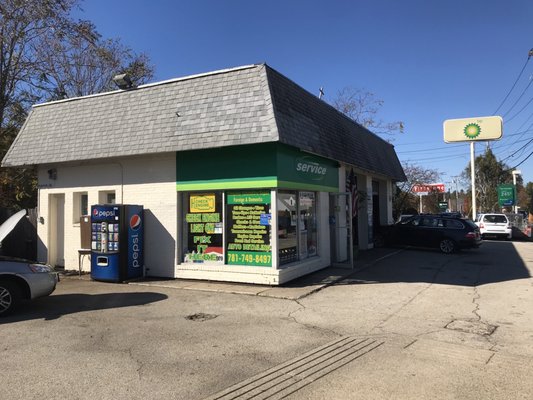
point(10, 223)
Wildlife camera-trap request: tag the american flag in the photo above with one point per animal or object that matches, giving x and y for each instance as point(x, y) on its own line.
point(351, 187)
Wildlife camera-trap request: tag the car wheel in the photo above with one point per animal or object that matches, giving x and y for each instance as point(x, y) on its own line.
point(447, 246)
point(9, 297)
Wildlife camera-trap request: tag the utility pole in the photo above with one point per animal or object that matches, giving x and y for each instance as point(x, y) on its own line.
point(455, 180)
point(515, 172)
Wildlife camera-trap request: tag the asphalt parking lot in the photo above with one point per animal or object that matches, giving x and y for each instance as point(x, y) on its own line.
point(408, 324)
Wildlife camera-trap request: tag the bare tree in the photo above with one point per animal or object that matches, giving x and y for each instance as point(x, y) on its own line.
point(79, 62)
point(363, 107)
point(405, 198)
point(23, 25)
point(45, 55)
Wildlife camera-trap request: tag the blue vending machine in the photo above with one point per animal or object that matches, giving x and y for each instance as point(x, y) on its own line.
point(116, 242)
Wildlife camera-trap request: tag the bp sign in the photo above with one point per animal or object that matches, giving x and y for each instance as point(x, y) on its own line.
point(506, 195)
point(473, 129)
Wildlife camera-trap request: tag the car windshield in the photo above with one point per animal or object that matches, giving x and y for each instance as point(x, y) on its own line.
point(495, 219)
point(404, 218)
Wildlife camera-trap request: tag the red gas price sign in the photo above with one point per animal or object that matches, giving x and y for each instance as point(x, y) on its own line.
point(430, 187)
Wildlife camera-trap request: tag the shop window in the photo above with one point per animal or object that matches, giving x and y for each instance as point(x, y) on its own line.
point(307, 225)
point(107, 197)
point(248, 221)
point(297, 227)
point(287, 227)
point(80, 206)
point(203, 228)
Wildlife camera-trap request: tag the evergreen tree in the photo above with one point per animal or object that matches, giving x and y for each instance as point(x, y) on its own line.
point(489, 173)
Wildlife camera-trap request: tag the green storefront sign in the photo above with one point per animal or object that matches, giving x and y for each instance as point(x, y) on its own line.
point(266, 165)
point(506, 195)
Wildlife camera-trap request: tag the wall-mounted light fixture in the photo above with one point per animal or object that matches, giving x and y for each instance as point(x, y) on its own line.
point(123, 81)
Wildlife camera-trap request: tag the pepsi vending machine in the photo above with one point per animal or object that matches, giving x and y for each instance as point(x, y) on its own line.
point(116, 242)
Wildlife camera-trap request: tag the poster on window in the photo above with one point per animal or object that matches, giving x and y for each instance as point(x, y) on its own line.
point(248, 217)
point(204, 228)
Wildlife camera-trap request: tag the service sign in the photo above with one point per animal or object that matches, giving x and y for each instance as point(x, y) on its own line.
point(473, 129)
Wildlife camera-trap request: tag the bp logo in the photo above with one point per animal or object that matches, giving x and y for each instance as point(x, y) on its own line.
point(135, 222)
point(472, 131)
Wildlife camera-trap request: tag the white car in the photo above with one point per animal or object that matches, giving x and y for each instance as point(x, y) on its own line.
point(494, 225)
point(22, 279)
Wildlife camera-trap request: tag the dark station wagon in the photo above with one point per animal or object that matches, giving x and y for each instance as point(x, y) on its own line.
point(446, 233)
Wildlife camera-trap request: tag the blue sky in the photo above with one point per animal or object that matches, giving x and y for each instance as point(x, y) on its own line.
point(427, 60)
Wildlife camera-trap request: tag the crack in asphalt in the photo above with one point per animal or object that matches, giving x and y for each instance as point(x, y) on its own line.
point(477, 306)
point(292, 317)
point(477, 295)
point(140, 365)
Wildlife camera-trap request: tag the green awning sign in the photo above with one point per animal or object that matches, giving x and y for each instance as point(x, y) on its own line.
point(506, 195)
point(257, 166)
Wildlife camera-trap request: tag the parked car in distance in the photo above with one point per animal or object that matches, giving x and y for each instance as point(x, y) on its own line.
point(404, 217)
point(448, 234)
point(22, 279)
point(494, 225)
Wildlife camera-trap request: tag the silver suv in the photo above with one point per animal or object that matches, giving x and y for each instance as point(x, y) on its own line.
point(495, 225)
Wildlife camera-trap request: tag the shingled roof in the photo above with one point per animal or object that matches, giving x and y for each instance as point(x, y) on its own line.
point(244, 105)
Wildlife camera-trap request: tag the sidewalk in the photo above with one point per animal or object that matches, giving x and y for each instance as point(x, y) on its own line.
point(294, 290)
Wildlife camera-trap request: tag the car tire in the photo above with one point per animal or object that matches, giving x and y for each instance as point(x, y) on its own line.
point(447, 246)
point(9, 297)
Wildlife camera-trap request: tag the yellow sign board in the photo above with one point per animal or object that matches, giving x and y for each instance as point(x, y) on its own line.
point(204, 203)
point(473, 129)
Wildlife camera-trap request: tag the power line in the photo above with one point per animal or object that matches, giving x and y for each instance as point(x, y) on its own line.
point(523, 161)
point(433, 149)
point(521, 148)
point(525, 122)
point(519, 97)
point(515, 82)
point(501, 146)
point(441, 158)
point(522, 109)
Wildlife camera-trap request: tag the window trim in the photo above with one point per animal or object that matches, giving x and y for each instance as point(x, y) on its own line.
point(77, 204)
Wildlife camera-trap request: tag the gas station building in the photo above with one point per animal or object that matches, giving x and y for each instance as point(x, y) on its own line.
point(243, 175)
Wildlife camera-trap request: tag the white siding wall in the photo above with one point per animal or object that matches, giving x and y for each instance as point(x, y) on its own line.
point(148, 181)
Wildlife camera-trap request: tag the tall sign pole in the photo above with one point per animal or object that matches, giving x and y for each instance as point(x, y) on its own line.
point(473, 130)
point(473, 178)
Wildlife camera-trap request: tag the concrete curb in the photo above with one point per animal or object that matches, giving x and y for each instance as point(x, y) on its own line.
point(293, 291)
